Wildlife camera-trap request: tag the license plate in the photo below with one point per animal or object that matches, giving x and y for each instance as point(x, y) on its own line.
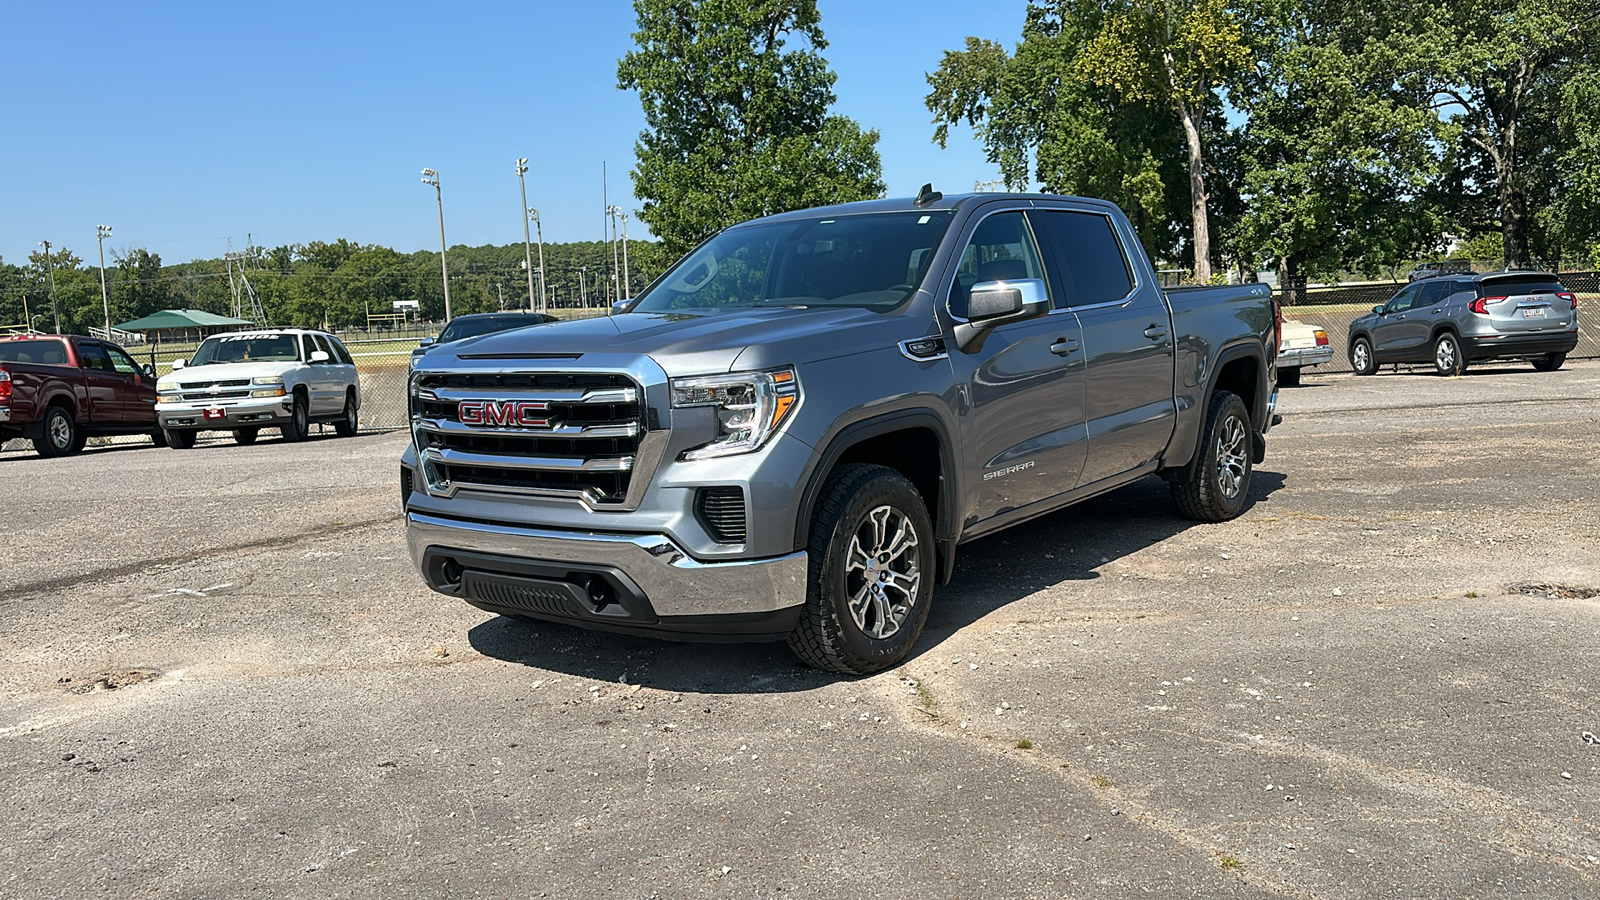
point(216, 412)
point(1533, 312)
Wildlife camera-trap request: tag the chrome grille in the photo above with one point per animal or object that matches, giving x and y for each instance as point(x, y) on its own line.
point(585, 443)
point(225, 389)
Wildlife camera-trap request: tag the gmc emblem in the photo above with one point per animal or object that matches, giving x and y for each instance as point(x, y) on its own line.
point(521, 413)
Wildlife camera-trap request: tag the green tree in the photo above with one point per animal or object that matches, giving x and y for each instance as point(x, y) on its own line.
point(736, 96)
point(1497, 69)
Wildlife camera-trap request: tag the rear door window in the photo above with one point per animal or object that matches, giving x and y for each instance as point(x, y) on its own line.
point(1086, 257)
point(339, 352)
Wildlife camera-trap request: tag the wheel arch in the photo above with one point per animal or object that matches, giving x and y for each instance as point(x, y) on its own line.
point(1240, 368)
point(917, 444)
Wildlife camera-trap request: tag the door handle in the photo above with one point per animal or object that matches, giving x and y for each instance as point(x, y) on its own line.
point(1155, 332)
point(1063, 346)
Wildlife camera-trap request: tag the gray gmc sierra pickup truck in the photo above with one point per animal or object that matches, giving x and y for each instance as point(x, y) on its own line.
point(788, 434)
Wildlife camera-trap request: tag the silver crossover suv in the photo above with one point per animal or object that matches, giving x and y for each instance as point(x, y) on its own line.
point(1453, 320)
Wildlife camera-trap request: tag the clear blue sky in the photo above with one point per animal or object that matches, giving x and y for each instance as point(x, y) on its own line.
point(184, 124)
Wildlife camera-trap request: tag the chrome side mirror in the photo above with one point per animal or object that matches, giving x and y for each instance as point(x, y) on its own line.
point(994, 303)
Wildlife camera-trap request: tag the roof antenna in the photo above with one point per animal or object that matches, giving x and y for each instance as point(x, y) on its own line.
point(927, 195)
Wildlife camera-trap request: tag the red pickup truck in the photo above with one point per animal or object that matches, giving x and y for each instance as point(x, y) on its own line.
point(58, 390)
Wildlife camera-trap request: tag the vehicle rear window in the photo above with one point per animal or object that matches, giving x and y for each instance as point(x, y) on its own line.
point(42, 353)
point(1520, 284)
point(1089, 259)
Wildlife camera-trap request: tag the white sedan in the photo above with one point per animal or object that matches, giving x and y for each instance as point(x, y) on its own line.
point(1303, 346)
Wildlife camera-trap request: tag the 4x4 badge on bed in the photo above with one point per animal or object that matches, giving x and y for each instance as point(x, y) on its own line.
point(521, 413)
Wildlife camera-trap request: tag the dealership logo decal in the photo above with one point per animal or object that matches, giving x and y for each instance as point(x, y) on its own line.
point(517, 413)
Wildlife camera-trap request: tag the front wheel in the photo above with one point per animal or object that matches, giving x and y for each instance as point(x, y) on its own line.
point(245, 435)
point(1361, 359)
point(58, 436)
point(1447, 356)
point(1549, 362)
point(1218, 483)
point(298, 428)
point(870, 574)
point(181, 439)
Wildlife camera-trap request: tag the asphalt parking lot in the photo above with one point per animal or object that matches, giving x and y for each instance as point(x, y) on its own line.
point(221, 677)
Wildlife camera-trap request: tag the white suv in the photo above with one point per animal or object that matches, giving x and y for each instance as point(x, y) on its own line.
point(283, 377)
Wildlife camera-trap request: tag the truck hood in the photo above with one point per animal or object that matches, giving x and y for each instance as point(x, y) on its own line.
point(224, 372)
point(696, 343)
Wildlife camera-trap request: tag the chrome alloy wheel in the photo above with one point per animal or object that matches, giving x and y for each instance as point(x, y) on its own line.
point(882, 572)
point(1232, 461)
point(1359, 356)
point(60, 432)
point(1444, 355)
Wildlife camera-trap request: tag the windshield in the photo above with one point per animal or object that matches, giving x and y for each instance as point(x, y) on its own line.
point(465, 328)
point(862, 261)
point(232, 348)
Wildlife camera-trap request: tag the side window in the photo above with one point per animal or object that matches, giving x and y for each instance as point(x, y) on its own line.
point(321, 343)
point(94, 357)
point(306, 347)
point(340, 352)
point(1002, 249)
point(1403, 300)
point(1086, 257)
point(122, 362)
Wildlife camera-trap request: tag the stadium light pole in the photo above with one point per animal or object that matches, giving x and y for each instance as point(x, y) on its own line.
point(544, 291)
point(429, 176)
point(616, 284)
point(627, 282)
point(101, 233)
point(527, 240)
point(50, 267)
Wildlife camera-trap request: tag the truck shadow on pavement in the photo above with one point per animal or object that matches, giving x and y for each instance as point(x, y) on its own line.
point(991, 573)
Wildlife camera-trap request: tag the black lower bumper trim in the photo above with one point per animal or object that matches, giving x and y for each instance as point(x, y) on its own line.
point(1476, 349)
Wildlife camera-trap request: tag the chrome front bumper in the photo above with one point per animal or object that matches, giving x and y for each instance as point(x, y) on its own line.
point(674, 583)
point(235, 413)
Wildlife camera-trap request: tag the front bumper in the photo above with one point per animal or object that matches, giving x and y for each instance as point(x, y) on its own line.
point(225, 414)
point(641, 583)
point(1305, 357)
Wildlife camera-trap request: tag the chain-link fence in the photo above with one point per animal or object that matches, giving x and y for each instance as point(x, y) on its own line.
point(1334, 308)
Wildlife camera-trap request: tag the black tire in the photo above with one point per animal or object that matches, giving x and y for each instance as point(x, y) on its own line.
point(245, 436)
point(158, 437)
point(1447, 356)
point(298, 428)
point(181, 439)
point(860, 618)
point(1289, 377)
point(1549, 362)
point(346, 424)
point(58, 433)
point(1218, 485)
point(1361, 358)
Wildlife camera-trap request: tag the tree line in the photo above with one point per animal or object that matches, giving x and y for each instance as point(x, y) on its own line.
point(1313, 136)
point(337, 283)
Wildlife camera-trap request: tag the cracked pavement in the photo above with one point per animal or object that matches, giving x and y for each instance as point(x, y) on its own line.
point(222, 677)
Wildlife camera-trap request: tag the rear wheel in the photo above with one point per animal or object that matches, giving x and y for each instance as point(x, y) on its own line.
point(181, 439)
point(346, 424)
point(245, 435)
point(298, 428)
point(1361, 359)
point(1219, 483)
point(1549, 362)
point(1447, 356)
point(1289, 377)
point(870, 574)
point(58, 435)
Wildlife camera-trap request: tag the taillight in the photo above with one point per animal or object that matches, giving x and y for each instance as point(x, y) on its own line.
point(1481, 305)
point(1570, 298)
point(1322, 338)
point(5, 387)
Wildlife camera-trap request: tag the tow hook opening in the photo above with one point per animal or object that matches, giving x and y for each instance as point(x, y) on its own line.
point(450, 573)
point(599, 592)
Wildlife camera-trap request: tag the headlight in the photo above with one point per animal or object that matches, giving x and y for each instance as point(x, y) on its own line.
point(268, 379)
point(750, 407)
point(176, 397)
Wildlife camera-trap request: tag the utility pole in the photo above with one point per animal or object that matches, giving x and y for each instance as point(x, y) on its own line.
point(429, 176)
point(583, 285)
point(101, 233)
point(50, 266)
point(527, 252)
point(544, 291)
point(627, 279)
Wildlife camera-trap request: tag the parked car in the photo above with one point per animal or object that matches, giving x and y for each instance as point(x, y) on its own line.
point(285, 378)
point(59, 390)
point(1453, 321)
point(478, 324)
point(1439, 267)
point(1303, 346)
point(787, 436)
